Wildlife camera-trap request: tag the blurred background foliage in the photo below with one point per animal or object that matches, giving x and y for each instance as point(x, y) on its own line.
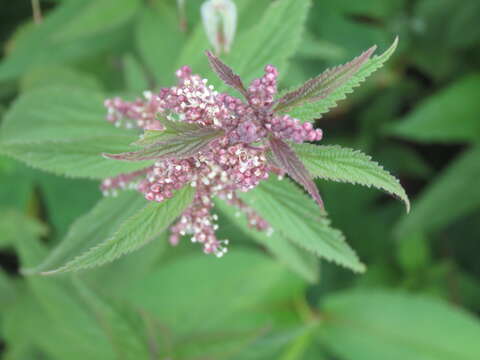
point(418, 116)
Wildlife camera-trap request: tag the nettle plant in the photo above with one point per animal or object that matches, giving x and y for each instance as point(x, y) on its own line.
point(199, 150)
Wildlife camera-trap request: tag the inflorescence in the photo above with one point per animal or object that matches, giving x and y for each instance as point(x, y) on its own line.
point(235, 160)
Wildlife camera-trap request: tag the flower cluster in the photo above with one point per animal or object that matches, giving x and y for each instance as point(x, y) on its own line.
point(235, 160)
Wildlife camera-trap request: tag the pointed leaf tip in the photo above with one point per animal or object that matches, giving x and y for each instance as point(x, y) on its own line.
point(324, 84)
point(176, 142)
point(335, 163)
point(226, 74)
point(330, 92)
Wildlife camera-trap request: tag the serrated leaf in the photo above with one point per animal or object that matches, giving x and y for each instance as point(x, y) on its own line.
point(451, 115)
point(226, 74)
point(435, 207)
point(311, 111)
point(92, 228)
point(324, 84)
point(63, 130)
point(286, 252)
point(178, 145)
point(135, 232)
point(368, 325)
point(289, 161)
point(79, 159)
point(295, 216)
point(346, 165)
point(172, 130)
point(57, 113)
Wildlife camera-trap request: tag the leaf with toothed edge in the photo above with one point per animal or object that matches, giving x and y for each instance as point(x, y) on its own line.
point(91, 229)
point(324, 84)
point(76, 159)
point(291, 212)
point(225, 73)
point(289, 161)
point(297, 259)
point(180, 146)
point(135, 232)
point(314, 110)
point(172, 130)
point(346, 165)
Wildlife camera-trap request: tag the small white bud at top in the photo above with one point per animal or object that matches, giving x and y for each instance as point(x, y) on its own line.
point(220, 22)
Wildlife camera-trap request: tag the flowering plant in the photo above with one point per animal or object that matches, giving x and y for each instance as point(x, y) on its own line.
point(199, 148)
point(221, 145)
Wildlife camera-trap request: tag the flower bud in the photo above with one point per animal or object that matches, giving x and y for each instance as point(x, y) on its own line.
point(220, 22)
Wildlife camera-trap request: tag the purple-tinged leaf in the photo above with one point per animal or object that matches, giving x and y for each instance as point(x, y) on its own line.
point(289, 161)
point(177, 147)
point(225, 73)
point(321, 86)
point(172, 130)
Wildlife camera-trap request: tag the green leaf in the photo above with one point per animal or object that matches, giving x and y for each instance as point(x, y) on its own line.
point(98, 16)
point(35, 45)
point(226, 291)
point(79, 159)
point(346, 165)
point(78, 197)
point(279, 345)
point(173, 130)
point(91, 229)
point(296, 258)
point(276, 35)
point(226, 74)
point(7, 291)
point(449, 116)
point(452, 194)
point(135, 232)
point(133, 268)
point(119, 322)
point(396, 326)
point(135, 77)
point(11, 221)
point(324, 84)
point(72, 330)
point(57, 113)
point(158, 50)
point(180, 141)
point(311, 111)
point(48, 76)
point(295, 216)
point(63, 130)
point(14, 175)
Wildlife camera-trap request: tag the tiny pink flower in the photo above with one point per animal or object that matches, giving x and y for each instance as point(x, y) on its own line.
point(236, 160)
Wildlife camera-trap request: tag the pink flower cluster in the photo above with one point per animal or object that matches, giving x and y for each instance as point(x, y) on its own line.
point(235, 161)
